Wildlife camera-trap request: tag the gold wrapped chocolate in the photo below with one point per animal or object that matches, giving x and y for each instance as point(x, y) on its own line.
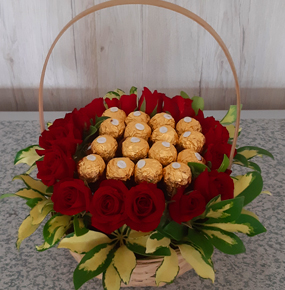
point(163, 151)
point(175, 175)
point(121, 168)
point(188, 124)
point(91, 168)
point(149, 170)
point(188, 155)
point(140, 130)
point(112, 127)
point(135, 148)
point(115, 113)
point(161, 119)
point(165, 133)
point(192, 140)
point(106, 146)
point(137, 116)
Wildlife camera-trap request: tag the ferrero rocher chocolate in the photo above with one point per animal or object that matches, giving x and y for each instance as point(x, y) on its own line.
point(112, 127)
point(140, 130)
point(161, 119)
point(188, 155)
point(163, 151)
point(137, 116)
point(106, 146)
point(135, 148)
point(175, 175)
point(192, 140)
point(91, 168)
point(188, 124)
point(121, 168)
point(115, 113)
point(165, 133)
point(149, 170)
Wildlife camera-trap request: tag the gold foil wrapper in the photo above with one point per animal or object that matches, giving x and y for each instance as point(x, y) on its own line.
point(161, 119)
point(140, 130)
point(112, 127)
point(175, 175)
point(115, 113)
point(149, 170)
point(192, 140)
point(135, 148)
point(163, 151)
point(188, 124)
point(121, 168)
point(188, 155)
point(106, 146)
point(91, 168)
point(137, 116)
point(165, 133)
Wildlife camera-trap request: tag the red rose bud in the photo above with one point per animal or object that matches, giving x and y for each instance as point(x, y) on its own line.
point(56, 165)
point(71, 196)
point(152, 101)
point(128, 103)
point(95, 108)
point(214, 183)
point(170, 106)
point(144, 206)
point(184, 107)
point(184, 207)
point(112, 102)
point(107, 206)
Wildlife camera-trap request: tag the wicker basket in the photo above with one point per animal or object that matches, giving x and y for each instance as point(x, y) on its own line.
point(144, 273)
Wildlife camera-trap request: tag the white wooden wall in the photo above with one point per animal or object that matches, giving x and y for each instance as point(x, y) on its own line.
point(141, 46)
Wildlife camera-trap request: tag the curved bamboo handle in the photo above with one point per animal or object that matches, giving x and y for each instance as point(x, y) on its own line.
point(157, 3)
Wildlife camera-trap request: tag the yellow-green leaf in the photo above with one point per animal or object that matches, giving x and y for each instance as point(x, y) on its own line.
point(135, 234)
point(153, 244)
point(84, 243)
point(124, 262)
point(230, 227)
point(266, 192)
point(43, 247)
point(245, 211)
point(29, 193)
point(231, 129)
point(119, 91)
point(40, 211)
point(111, 279)
point(195, 259)
point(112, 95)
point(219, 213)
point(168, 269)
point(32, 183)
point(251, 151)
point(28, 155)
point(231, 115)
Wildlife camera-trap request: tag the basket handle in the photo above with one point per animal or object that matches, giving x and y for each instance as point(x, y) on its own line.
point(157, 3)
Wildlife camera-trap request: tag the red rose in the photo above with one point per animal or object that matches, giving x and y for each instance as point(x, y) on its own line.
point(214, 183)
point(56, 165)
point(71, 196)
point(152, 101)
point(144, 206)
point(206, 123)
point(95, 108)
point(127, 103)
point(217, 134)
point(107, 206)
point(171, 107)
point(184, 207)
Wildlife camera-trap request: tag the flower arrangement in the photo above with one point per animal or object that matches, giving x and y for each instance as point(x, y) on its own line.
point(115, 212)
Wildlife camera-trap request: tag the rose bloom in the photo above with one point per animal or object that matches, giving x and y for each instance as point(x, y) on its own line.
point(214, 183)
point(152, 101)
point(71, 196)
point(127, 103)
point(107, 206)
point(56, 165)
point(144, 206)
point(218, 134)
point(206, 123)
point(184, 207)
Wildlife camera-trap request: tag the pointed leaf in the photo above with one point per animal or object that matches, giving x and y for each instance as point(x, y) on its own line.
point(40, 211)
point(225, 164)
point(28, 155)
point(112, 95)
point(32, 168)
point(111, 279)
point(240, 160)
point(184, 95)
point(254, 166)
point(251, 151)
point(175, 230)
point(197, 104)
point(6, 195)
point(43, 247)
point(32, 183)
point(143, 106)
point(133, 90)
point(28, 193)
point(156, 241)
point(154, 112)
point(197, 168)
point(231, 115)
point(32, 202)
point(79, 226)
point(231, 129)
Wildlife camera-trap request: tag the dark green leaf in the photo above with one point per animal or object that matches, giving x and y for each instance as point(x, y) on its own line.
point(252, 151)
point(143, 106)
point(255, 225)
point(156, 236)
point(133, 90)
point(175, 230)
point(197, 168)
point(254, 166)
point(154, 111)
point(79, 226)
point(139, 249)
point(50, 189)
point(32, 202)
point(225, 164)
point(240, 160)
point(198, 104)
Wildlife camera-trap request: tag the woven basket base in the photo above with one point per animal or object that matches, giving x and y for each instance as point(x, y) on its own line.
point(144, 273)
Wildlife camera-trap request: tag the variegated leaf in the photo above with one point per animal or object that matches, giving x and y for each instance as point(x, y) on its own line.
point(40, 211)
point(32, 183)
point(231, 129)
point(133, 90)
point(231, 115)
point(156, 241)
point(28, 155)
point(28, 193)
point(111, 279)
point(251, 151)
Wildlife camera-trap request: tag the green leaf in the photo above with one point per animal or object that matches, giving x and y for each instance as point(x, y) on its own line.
point(240, 160)
point(155, 242)
point(226, 242)
point(79, 226)
point(231, 115)
point(133, 90)
point(112, 95)
point(225, 164)
point(184, 95)
point(6, 195)
point(111, 279)
point(254, 224)
point(32, 202)
point(35, 184)
point(251, 151)
point(28, 155)
point(33, 167)
point(254, 166)
point(92, 264)
point(175, 230)
point(119, 92)
point(231, 129)
point(154, 112)
point(143, 106)
point(197, 168)
point(41, 210)
point(198, 104)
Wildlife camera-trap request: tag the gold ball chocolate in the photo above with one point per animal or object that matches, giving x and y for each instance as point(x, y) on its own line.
point(188, 124)
point(135, 148)
point(137, 116)
point(106, 146)
point(163, 151)
point(91, 168)
point(148, 170)
point(112, 127)
point(121, 168)
point(140, 130)
point(165, 133)
point(161, 119)
point(192, 140)
point(115, 113)
point(188, 155)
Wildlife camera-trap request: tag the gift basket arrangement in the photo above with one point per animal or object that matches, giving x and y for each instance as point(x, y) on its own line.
point(140, 188)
